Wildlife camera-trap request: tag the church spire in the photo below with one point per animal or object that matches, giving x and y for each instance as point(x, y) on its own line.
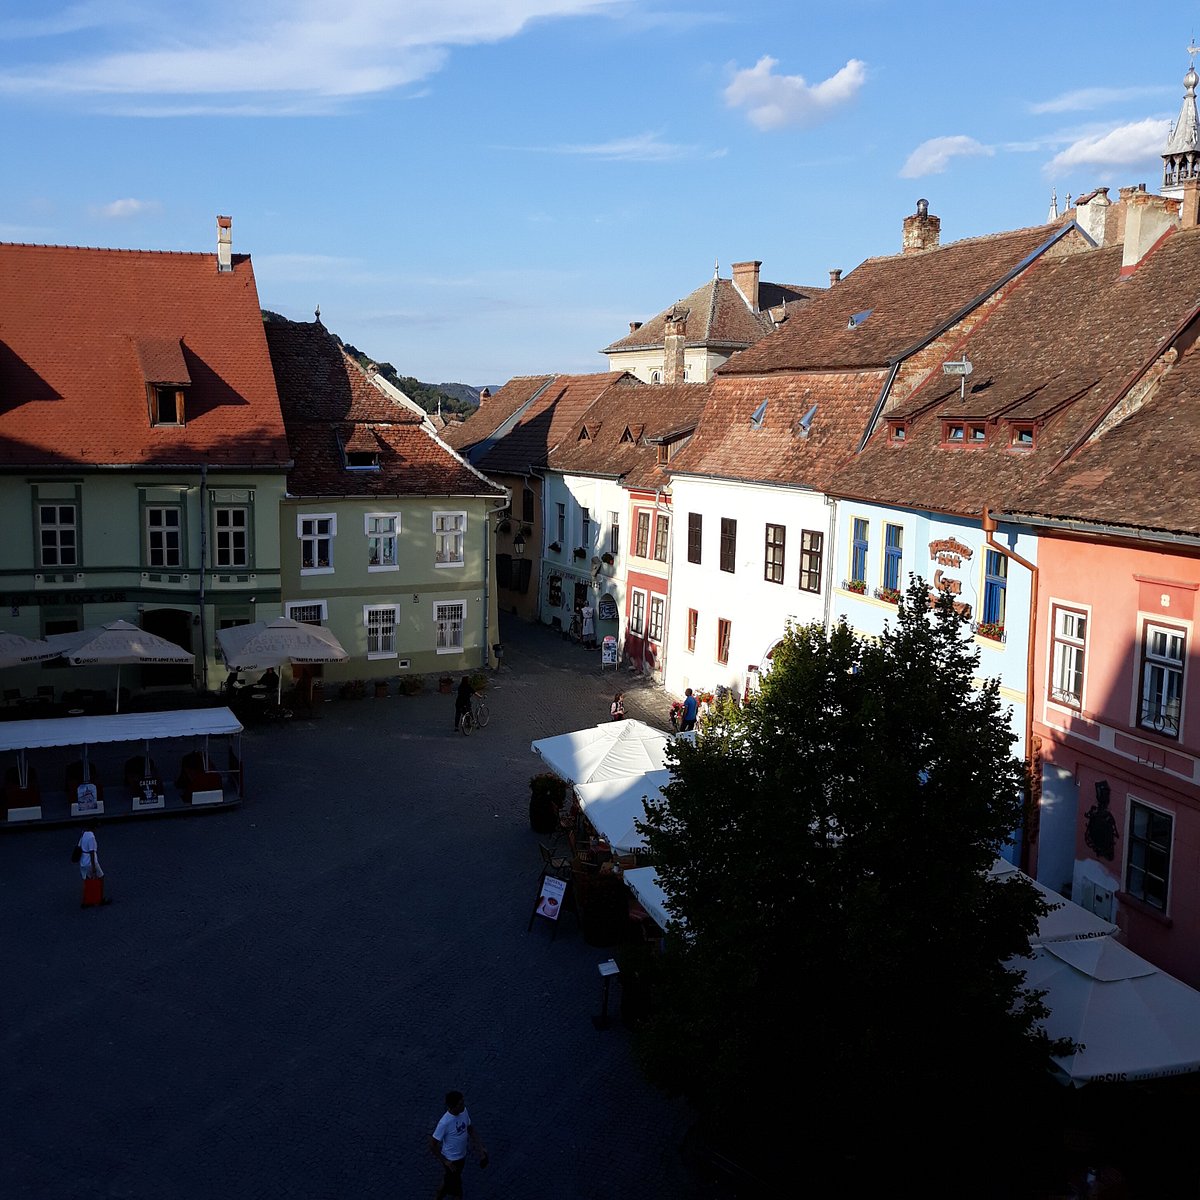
point(1181, 158)
point(1052, 215)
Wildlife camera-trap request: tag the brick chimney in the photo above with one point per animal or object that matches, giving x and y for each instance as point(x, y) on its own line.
point(674, 338)
point(835, 276)
point(921, 231)
point(745, 279)
point(634, 326)
point(224, 245)
point(1189, 211)
point(1148, 217)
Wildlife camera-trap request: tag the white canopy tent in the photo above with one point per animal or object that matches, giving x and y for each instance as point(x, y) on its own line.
point(613, 805)
point(613, 750)
point(1131, 1020)
point(1065, 920)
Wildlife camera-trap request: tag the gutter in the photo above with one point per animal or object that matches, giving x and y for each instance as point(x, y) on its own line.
point(988, 524)
point(204, 574)
point(1094, 528)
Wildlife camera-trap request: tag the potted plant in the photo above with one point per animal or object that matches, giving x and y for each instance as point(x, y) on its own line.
point(411, 685)
point(547, 794)
point(381, 689)
point(857, 586)
point(555, 546)
point(580, 552)
point(888, 594)
point(607, 558)
point(991, 629)
point(478, 682)
point(446, 684)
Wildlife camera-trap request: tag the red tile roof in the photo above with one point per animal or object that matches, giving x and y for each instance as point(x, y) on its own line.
point(83, 331)
point(1059, 351)
point(543, 424)
point(717, 316)
point(495, 410)
point(619, 427)
point(329, 403)
point(907, 296)
point(731, 444)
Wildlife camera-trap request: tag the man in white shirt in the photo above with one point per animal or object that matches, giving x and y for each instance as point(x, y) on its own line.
point(449, 1142)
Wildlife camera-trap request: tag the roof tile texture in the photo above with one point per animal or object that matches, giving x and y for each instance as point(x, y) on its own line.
point(72, 383)
point(495, 410)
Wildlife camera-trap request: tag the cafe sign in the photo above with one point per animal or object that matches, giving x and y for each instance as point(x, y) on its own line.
point(950, 552)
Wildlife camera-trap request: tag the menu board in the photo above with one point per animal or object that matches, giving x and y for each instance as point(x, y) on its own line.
point(608, 652)
point(551, 900)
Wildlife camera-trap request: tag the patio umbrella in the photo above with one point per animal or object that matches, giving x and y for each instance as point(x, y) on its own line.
point(1131, 1020)
point(1065, 920)
point(117, 643)
point(272, 643)
point(607, 751)
point(15, 650)
point(615, 805)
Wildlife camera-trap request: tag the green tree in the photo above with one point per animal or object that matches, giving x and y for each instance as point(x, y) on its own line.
point(840, 972)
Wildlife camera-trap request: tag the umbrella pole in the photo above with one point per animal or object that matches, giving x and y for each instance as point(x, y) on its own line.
point(279, 686)
point(118, 687)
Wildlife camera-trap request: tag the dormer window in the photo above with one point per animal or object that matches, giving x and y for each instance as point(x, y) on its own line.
point(954, 434)
point(897, 430)
point(583, 435)
point(627, 436)
point(166, 404)
point(977, 434)
point(1022, 437)
point(362, 460)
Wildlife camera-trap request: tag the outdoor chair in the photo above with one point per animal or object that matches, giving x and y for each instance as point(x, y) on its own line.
point(45, 693)
point(554, 864)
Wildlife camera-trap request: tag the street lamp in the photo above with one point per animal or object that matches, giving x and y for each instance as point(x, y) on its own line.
point(518, 544)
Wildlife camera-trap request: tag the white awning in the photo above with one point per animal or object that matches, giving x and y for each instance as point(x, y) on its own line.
point(118, 727)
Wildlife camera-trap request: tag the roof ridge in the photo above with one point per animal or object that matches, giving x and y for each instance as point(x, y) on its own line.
point(996, 236)
point(114, 250)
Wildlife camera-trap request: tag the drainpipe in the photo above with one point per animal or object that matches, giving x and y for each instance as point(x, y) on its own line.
point(988, 524)
point(670, 512)
point(203, 573)
point(827, 559)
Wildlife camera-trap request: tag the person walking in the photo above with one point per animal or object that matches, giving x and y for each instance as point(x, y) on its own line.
point(691, 706)
point(617, 708)
point(449, 1144)
point(91, 872)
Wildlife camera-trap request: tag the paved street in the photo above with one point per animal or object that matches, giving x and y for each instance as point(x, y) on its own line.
point(280, 995)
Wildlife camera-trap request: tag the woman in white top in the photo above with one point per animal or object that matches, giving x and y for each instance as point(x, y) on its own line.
point(90, 869)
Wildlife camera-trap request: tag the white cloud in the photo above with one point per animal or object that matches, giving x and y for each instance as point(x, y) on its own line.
point(301, 54)
point(1126, 145)
point(1085, 99)
point(933, 157)
point(641, 147)
point(119, 210)
point(775, 101)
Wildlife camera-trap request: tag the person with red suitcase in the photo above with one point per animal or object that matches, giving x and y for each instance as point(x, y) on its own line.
point(92, 872)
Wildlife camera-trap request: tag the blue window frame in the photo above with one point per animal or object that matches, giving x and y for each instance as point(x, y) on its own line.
point(893, 555)
point(858, 550)
point(995, 584)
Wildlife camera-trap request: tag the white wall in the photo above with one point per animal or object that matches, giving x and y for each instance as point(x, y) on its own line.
point(759, 610)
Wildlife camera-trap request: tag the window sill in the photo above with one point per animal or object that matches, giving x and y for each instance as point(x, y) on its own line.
point(440, 565)
point(373, 655)
point(316, 570)
point(450, 650)
point(1145, 910)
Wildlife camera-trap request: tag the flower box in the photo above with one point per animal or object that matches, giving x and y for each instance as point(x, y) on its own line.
point(580, 552)
point(993, 630)
point(606, 558)
point(857, 586)
point(555, 546)
point(888, 595)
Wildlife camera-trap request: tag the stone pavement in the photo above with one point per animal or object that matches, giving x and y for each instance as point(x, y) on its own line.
point(280, 995)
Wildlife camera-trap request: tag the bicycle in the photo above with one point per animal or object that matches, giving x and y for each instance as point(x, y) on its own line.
point(476, 717)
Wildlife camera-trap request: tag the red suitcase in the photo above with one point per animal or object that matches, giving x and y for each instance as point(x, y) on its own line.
point(93, 891)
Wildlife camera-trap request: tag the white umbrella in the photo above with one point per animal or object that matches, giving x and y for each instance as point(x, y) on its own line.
point(1065, 920)
point(117, 643)
point(272, 643)
point(614, 805)
point(607, 751)
point(1131, 1020)
point(643, 882)
point(15, 650)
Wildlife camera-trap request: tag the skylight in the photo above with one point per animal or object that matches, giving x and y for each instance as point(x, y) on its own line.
point(858, 318)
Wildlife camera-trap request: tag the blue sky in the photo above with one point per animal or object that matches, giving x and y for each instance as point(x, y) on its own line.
point(476, 189)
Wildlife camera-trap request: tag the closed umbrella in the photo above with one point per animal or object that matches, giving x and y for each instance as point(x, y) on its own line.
point(117, 643)
point(15, 650)
point(272, 643)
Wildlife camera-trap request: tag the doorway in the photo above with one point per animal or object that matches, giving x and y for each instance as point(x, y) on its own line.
point(174, 625)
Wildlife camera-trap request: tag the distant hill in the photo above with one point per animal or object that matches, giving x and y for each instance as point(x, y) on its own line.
point(456, 399)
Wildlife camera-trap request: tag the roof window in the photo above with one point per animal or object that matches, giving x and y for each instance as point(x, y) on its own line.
point(954, 434)
point(859, 318)
point(758, 416)
point(977, 434)
point(897, 430)
point(166, 404)
point(804, 425)
point(1022, 437)
point(362, 460)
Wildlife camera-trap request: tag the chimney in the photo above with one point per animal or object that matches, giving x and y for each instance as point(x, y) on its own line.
point(1189, 212)
point(1148, 218)
point(674, 338)
point(745, 279)
point(484, 396)
point(1091, 214)
point(634, 326)
point(835, 276)
point(224, 245)
point(921, 231)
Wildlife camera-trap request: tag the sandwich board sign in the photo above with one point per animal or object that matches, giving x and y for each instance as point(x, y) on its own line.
point(608, 652)
point(551, 900)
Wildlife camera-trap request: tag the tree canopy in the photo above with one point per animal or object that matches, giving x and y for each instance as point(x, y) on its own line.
point(841, 957)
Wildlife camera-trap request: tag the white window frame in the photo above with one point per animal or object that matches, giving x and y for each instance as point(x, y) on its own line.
point(637, 611)
point(1166, 663)
point(290, 606)
point(440, 534)
point(438, 618)
point(560, 528)
point(301, 536)
point(57, 526)
point(165, 565)
point(1064, 644)
point(372, 535)
point(227, 562)
point(370, 610)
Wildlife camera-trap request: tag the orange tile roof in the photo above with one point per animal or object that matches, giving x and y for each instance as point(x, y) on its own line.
point(495, 410)
point(329, 404)
point(542, 425)
point(907, 296)
point(619, 427)
point(80, 330)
